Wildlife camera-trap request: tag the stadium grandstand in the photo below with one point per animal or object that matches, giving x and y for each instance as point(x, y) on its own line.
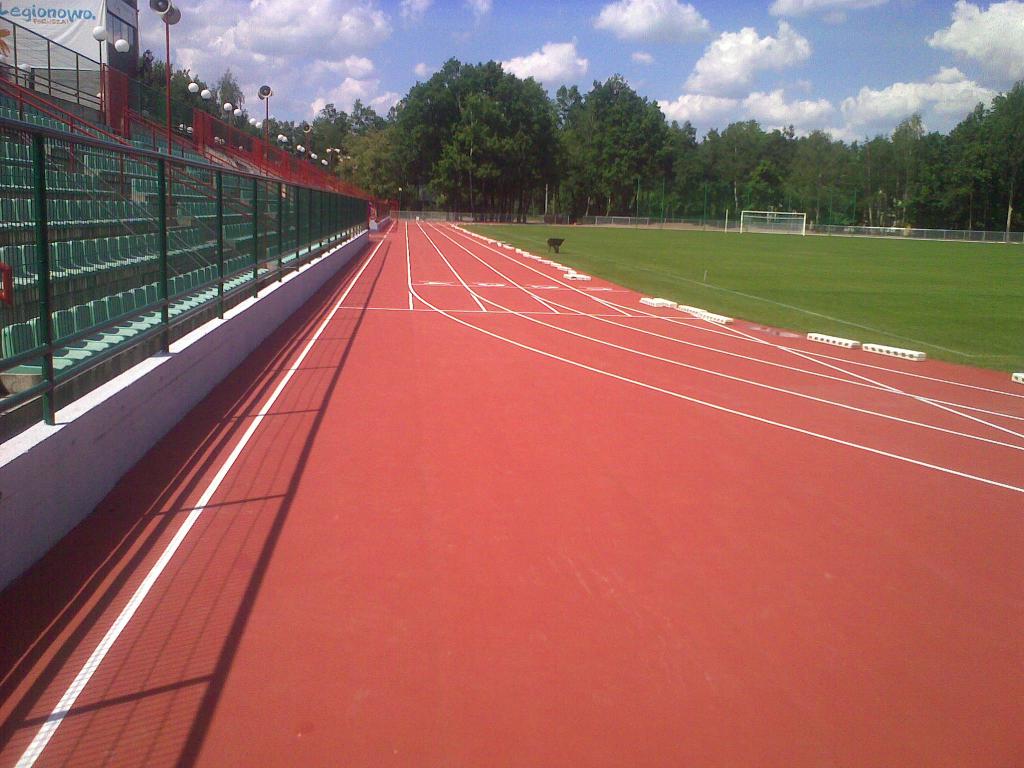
point(118, 232)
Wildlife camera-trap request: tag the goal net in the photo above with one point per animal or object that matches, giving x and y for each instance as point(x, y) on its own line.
point(623, 221)
point(780, 222)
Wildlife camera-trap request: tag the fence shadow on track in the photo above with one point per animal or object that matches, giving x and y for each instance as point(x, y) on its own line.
point(74, 585)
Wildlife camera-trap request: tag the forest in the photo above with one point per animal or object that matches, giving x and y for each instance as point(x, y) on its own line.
point(477, 139)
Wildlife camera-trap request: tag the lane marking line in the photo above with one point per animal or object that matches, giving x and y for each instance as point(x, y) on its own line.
point(67, 701)
point(858, 380)
point(731, 411)
point(858, 363)
point(758, 384)
point(408, 263)
point(895, 390)
point(532, 295)
point(470, 290)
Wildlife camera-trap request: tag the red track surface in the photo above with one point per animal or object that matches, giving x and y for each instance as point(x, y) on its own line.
point(561, 531)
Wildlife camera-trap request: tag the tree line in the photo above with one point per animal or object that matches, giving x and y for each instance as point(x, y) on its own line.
point(478, 139)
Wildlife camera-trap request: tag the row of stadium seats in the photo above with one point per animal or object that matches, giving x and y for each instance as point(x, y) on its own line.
point(20, 213)
point(187, 291)
point(72, 258)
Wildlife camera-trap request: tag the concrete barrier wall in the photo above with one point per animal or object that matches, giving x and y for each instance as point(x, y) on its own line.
point(51, 478)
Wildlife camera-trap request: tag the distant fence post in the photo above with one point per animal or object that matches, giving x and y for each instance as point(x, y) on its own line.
point(309, 219)
point(220, 244)
point(165, 304)
point(43, 270)
point(280, 231)
point(255, 237)
point(298, 222)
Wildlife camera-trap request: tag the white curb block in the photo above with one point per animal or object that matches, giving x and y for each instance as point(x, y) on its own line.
point(903, 354)
point(836, 341)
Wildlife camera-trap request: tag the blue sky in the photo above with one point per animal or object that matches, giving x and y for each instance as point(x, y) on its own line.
point(852, 67)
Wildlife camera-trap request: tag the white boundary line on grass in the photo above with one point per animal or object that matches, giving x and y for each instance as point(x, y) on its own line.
point(67, 701)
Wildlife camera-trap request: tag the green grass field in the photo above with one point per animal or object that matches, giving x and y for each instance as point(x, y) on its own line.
point(962, 302)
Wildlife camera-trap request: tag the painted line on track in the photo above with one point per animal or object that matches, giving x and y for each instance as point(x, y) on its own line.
point(408, 263)
point(888, 387)
point(873, 384)
point(67, 701)
point(472, 293)
point(853, 379)
point(707, 328)
point(726, 409)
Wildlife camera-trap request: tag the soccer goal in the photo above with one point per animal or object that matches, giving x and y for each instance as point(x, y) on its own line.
point(623, 221)
point(779, 222)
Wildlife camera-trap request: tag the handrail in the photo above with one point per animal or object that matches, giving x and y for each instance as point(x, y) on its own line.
point(51, 110)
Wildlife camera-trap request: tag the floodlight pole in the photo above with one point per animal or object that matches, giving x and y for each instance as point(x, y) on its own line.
point(167, 73)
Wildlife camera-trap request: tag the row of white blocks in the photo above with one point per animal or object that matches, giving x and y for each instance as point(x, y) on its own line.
point(703, 314)
point(836, 341)
point(878, 349)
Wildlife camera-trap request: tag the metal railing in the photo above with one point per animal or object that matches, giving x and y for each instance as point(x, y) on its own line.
point(110, 247)
point(44, 66)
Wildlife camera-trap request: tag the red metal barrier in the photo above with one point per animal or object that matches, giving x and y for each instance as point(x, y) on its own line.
point(74, 123)
point(6, 284)
point(210, 132)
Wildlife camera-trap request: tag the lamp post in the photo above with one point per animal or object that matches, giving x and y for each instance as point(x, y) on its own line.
point(170, 15)
point(264, 93)
point(99, 34)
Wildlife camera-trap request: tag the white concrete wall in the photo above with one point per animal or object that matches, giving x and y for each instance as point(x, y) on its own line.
point(51, 478)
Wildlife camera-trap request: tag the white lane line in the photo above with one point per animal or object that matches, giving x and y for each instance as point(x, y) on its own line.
point(894, 371)
point(751, 382)
point(529, 293)
point(731, 411)
point(470, 290)
point(67, 701)
point(408, 263)
point(857, 380)
point(888, 387)
point(811, 356)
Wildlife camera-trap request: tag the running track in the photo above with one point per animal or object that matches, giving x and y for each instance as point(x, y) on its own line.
point(491, 518)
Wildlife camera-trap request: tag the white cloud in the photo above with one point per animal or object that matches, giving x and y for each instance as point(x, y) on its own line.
point(343, 96)
point(698, 108)
point(479, 7)
point(422, 70)
point(352, 66)
point(414, 10)
point(945, 98)
point(553, 64)
point(642, 57)
point(833, 10)
point(384, 102)
point(995, 37)
point(773, 111)
point(262, 41)
point(655, 20)
point(287, 27)
point(730, 62)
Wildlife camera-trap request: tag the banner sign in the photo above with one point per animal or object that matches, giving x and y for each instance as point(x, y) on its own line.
point(67, 22)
